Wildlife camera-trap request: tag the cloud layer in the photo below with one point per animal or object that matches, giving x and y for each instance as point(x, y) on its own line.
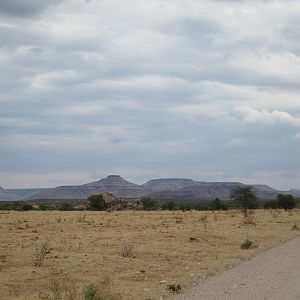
point(202, 89)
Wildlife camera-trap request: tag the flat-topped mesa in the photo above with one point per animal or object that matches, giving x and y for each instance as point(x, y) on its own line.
point(168, 183)
point(181, 189)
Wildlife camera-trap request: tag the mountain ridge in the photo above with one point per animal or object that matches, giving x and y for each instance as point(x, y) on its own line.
point(160, 189)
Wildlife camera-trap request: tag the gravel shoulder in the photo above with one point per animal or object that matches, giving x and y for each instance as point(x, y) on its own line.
point(272, 274)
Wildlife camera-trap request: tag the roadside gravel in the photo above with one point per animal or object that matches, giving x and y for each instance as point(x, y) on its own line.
point(273, 274)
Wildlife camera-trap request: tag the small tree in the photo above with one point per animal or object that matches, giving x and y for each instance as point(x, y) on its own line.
point(150, 204)
point(286, 201)
point(66, 206)
point(273, 204)
point(245, 197)
point(169, 206)
point(96, 202)
point(217, 204)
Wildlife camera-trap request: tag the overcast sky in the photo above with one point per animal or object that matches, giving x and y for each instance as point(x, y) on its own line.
point(207, 90)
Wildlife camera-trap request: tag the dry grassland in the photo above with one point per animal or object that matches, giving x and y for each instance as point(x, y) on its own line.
point(140, 253)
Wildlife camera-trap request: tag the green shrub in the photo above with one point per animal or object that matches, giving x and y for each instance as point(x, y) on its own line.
point(150, 204)
point(26, 207)
point(272, 204)
point(217, 204)
point(169, 206)
point(43, 206)
point(175, 288)
point(90, 292)
point(186, 206)
point(248, 245)
point(66, 206)
point(96, 202)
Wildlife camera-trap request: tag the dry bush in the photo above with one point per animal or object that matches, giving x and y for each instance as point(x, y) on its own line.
point(40, 253)
point(204, 220)
point(249, 220)
point(295, 227)
point(81, 219)
point(275, 213)
point(178, 219)
point(60, 290)
point(58, 219)
point(232, 213)
point(215, 217)
point(126, 249)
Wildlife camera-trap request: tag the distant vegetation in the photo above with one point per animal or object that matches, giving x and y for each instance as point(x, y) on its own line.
point(241, 198)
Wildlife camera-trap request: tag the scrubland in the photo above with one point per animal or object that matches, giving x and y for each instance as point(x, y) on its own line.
point(127, 254)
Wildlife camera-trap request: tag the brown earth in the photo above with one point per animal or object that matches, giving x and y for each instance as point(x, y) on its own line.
point(140, 252)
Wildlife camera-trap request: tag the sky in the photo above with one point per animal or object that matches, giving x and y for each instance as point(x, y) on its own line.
point(207, 90)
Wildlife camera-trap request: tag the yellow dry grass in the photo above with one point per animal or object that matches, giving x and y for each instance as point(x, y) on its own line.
point(140, 252)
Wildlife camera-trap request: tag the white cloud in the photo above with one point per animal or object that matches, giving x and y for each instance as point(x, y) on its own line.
point(250, 115)
point(54, 78)
point(284, 67)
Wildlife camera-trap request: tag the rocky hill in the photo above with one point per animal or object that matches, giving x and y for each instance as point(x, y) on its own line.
point(7, 196)
point(113, 184)
point(22, 193)
point(208, 191)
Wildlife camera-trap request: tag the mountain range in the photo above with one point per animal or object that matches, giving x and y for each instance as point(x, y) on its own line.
point(161, 189)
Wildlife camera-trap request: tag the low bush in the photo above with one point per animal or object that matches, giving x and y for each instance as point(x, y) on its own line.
point(248, 245)
point(66, 206)
point(175, 288)
point(126, 249)
point(90, 292)
point(40, 253)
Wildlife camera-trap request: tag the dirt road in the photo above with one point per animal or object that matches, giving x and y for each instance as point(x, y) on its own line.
point(273, 274)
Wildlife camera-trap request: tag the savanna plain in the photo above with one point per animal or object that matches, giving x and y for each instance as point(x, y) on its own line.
point(127, 254)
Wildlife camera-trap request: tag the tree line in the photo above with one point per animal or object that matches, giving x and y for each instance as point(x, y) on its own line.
point(240, 198)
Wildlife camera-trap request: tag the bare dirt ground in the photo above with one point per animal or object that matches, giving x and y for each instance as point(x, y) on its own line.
point(140, 252)
point(272, 275)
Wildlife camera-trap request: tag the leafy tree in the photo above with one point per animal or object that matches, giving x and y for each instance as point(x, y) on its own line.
point(96, 202)
point(150, 204)
point(26, 206)
point(186, 206)
point(273, 204)
point(245, 197)
point(66, 206)
point(286, 201)
point(43, 206)
point(169, 206)
point(217, 204)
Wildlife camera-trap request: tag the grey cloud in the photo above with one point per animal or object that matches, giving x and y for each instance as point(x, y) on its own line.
point(25, 9)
